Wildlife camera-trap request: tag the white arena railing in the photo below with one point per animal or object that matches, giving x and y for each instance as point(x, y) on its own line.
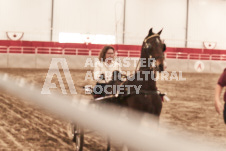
point(95, 52)
point(137, 133)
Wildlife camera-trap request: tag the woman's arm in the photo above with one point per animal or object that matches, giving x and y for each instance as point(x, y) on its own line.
point(218, 105)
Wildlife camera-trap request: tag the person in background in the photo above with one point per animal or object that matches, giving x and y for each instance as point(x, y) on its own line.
point(220, 108)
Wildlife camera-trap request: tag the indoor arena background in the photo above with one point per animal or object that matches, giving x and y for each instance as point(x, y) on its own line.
point(33, 32)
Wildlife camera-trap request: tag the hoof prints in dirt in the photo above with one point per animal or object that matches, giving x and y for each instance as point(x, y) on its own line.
point(24, 127)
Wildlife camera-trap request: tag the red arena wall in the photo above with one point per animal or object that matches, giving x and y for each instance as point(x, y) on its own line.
point(39, 47)
point(9, 43)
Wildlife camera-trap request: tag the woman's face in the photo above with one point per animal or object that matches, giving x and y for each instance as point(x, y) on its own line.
point(110, 54)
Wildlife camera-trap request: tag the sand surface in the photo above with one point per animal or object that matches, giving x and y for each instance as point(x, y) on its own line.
point(24, 126)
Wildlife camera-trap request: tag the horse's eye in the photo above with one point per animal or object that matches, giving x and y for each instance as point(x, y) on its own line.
point(164, 47)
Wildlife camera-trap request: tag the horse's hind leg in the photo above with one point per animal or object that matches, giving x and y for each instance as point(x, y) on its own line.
point(108, 144)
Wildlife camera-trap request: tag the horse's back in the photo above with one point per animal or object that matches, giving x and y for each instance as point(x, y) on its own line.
point(151, 104)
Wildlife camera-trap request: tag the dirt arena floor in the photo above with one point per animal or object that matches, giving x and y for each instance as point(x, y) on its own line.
point(27, 127)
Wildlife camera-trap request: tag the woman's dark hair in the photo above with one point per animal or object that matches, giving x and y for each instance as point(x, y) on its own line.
point(102, 55)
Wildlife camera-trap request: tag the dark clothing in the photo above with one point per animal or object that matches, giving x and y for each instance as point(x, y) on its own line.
point(222, 82)
point(98, 90)
point(224, 114)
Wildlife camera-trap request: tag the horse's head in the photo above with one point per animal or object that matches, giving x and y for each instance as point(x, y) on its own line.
point(153, 52)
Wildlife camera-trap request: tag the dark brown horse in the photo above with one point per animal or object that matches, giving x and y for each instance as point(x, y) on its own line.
point(152, 56)
point(141, 92)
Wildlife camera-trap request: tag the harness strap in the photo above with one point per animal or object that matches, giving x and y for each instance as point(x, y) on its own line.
point(145, 92)
point(155, 35)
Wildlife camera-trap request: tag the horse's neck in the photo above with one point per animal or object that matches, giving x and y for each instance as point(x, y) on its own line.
point(150, 84)
point(145, 65)
point(146, 84)
point(144, 61)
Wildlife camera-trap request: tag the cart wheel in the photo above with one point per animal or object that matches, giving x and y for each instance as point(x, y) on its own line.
point(78, 137)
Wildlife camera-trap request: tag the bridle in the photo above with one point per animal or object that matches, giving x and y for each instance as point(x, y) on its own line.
point(149, 37)
point(147, 45)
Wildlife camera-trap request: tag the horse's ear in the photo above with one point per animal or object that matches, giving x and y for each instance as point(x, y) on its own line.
point(150, 32)
point(159, 33)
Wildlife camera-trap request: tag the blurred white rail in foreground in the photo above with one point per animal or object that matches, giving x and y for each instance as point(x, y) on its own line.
point(135, 133)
